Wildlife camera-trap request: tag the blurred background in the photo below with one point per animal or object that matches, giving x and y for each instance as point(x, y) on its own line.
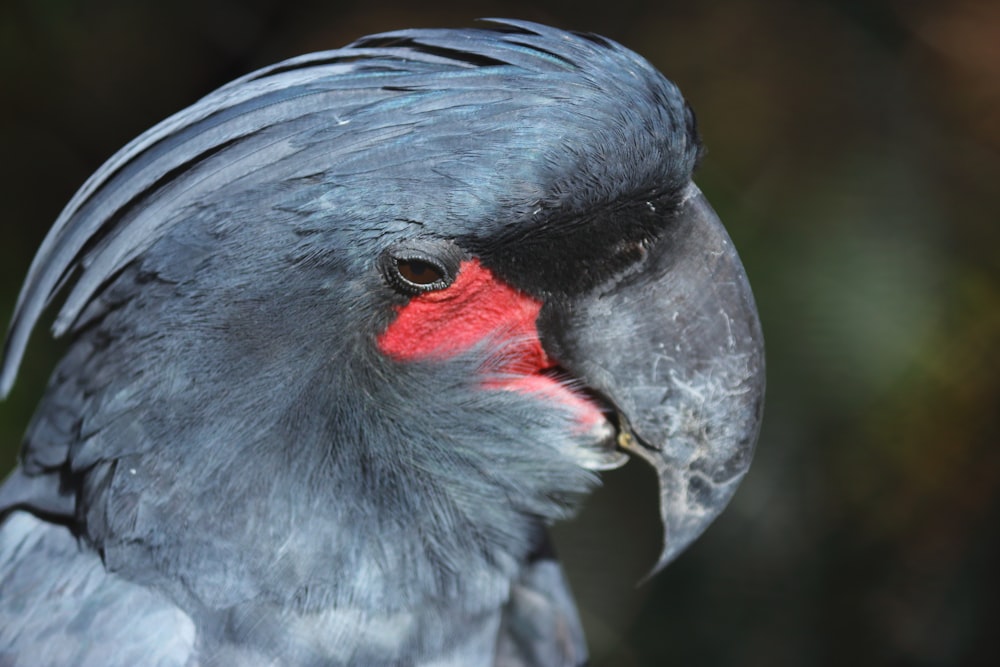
point(853, 153)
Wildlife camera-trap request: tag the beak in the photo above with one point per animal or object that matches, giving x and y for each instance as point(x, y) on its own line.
point(675, 345)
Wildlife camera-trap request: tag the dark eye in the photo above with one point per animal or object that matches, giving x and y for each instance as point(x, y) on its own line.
point(416, 266)
point(418, 272)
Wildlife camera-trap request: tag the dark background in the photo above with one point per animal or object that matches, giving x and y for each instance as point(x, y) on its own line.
point(852, 154)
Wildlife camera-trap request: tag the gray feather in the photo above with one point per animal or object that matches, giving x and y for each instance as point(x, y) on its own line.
point(59, 606)
point(245, 471)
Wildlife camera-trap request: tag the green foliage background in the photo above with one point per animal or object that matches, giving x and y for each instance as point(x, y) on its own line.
point(853, 153)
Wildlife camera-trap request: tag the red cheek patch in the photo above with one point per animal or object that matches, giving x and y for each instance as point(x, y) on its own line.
point(476, 308)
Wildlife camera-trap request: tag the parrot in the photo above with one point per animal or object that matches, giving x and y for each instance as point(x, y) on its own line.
point(348, 335)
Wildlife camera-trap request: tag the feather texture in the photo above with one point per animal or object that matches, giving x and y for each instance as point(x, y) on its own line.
point(229, 462)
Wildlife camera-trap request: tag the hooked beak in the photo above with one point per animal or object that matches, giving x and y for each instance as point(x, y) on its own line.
point(675, 344)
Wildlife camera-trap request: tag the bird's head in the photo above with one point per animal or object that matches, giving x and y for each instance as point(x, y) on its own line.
point(426, 284)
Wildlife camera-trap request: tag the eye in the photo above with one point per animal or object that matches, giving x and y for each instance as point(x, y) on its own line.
point(418, 272)
point(421, 265)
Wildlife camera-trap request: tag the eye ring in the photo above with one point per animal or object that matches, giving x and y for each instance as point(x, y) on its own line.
point(419, 267)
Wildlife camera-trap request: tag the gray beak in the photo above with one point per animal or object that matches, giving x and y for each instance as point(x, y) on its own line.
point(675, 345)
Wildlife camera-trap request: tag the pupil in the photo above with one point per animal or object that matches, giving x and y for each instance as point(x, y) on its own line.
point(417, 272)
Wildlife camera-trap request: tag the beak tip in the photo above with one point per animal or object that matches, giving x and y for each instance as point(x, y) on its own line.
point(703, 446)
point(688, 515)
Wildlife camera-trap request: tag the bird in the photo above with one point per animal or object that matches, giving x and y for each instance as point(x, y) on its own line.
point(348, 335)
